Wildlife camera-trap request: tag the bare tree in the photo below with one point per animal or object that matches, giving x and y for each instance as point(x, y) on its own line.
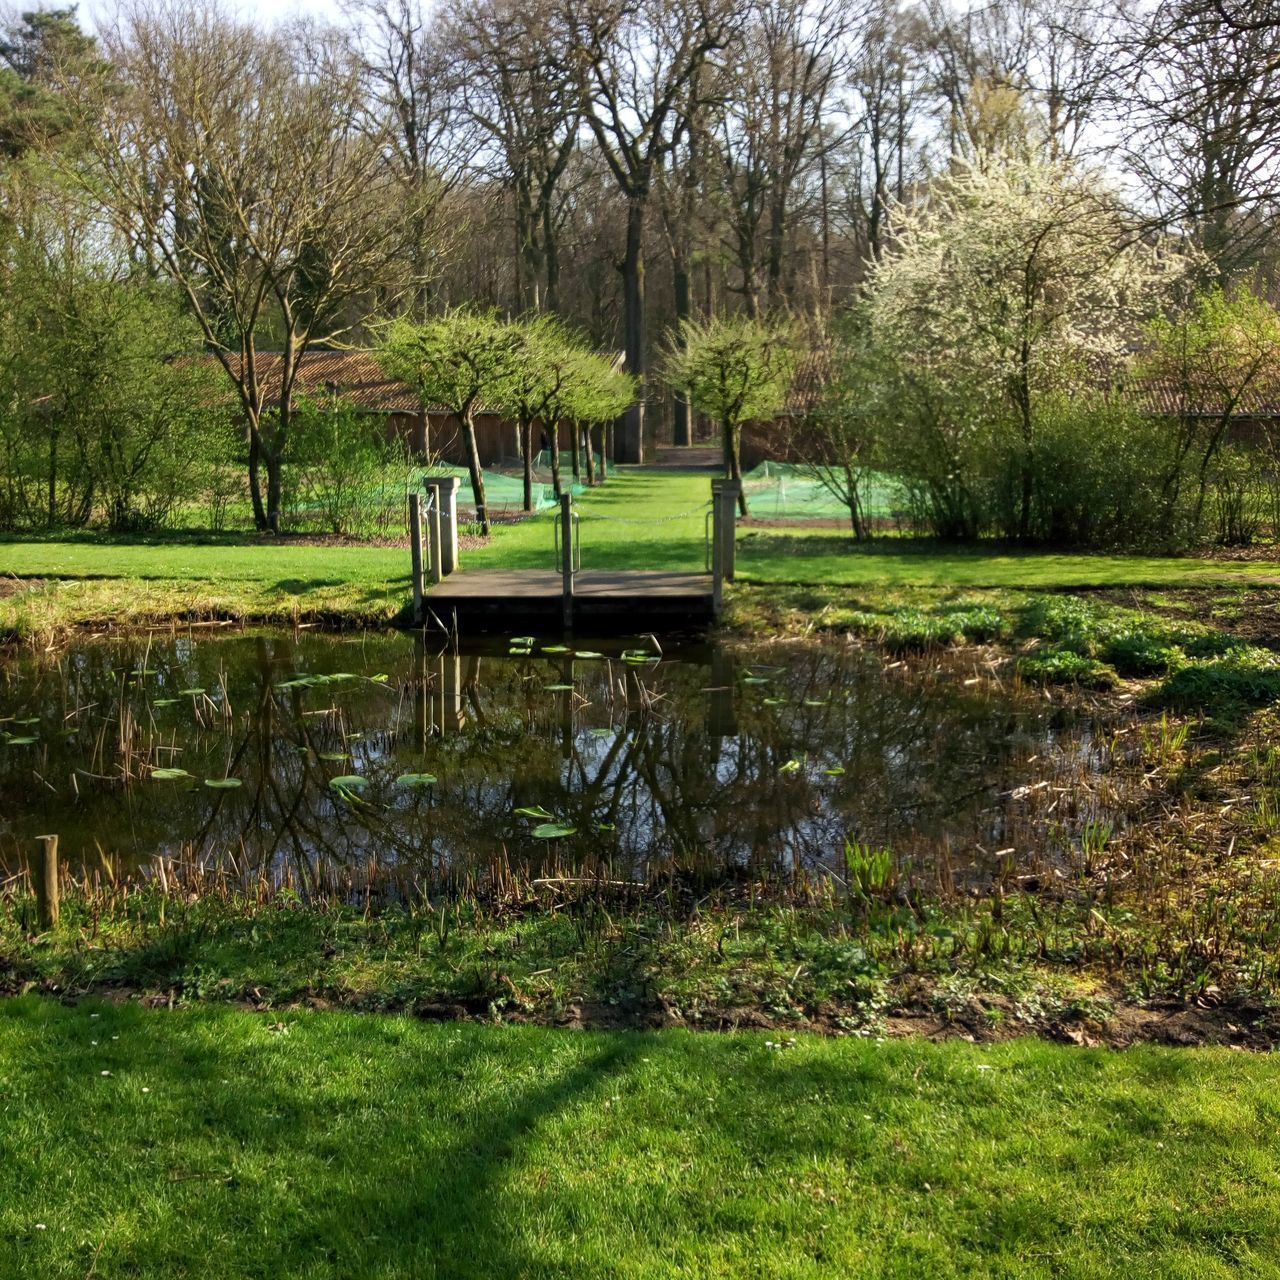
point(415, 107)
point(239, 159)
point(781, 116)
point(635, 60)
point(517, 90)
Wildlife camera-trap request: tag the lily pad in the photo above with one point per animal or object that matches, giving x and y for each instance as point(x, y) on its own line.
point(349, 782)
point(164, 702)
point(552, 831)
point(602, 733)
point(534, 811)
point(587, 654)
point(555, 648)
point(835, 771)
point(332, 755)
point(223, 784)
point(169, 774)
point(191, 693)
point(523, 642)
point(416, 780)
point(24, 741)
point(558, 688)
point(792, 766)
point(755, 680)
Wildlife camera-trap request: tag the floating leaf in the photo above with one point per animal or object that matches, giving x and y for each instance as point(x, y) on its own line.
point(223, 784)
point(332, 755)
point(416, 780)
point(519, 653)
point(19, 742)
point(380, 678)
point(191, 693)
point(587, 654)
point(28, 720)
point(836, 771)
point(606, 826)
point(302, 682)
point(534, 811)
point(349, 782)
point(169, 775)
point(526, 642)
point(792, 766)
point(555, 648)
point(552, 831)
point(602, 733)
point(164, 702)
point(775, 702)
point(755, 680)
point(815, 702)
point(558, 688)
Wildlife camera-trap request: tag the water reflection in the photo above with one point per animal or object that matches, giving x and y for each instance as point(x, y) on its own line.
point(764, 762)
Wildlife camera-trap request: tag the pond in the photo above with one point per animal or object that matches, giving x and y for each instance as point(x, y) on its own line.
point(325, 760)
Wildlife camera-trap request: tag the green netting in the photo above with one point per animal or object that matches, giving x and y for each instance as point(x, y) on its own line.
point(504, 484)
point(785, 491)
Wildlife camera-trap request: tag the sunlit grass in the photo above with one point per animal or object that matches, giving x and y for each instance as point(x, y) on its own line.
point(216, 1142)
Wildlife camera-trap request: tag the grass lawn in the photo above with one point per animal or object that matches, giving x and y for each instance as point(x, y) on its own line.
point(639, 519)
point(214, 1142)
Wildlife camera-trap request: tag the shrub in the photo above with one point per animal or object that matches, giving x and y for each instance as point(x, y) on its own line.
point(1063, 666)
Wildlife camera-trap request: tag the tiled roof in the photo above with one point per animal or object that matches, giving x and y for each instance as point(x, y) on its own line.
point(356, 376)
point(1168, 398)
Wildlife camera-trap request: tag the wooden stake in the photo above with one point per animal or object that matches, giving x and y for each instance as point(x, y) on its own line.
point(415, 551)
point(44, 875)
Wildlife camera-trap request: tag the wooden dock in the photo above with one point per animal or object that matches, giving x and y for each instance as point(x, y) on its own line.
point(604, 601)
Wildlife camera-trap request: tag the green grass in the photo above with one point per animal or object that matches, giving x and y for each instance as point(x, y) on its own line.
point(639, 519)
point(215, 1142)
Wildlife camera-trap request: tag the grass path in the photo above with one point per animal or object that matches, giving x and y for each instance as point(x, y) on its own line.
point(212, 1142)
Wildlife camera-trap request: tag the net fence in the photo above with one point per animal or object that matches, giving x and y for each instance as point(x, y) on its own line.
point(504, 484)
point(785, 491)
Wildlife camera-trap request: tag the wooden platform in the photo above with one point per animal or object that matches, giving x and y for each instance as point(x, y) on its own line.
point(622, 601)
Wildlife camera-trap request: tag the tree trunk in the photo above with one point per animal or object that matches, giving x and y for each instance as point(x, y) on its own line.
point(576, 432)
point(51, 517)
point(526, 451)
point(733, 463)
point(680, 433)
point(477, 475)
point(551, 254)
point(631, 445)
point(275, 488)
point(255, 478)
point(553, 433)
point(606, 449)
point(591, 453)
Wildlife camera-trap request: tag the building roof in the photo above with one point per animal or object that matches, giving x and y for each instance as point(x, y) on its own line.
point(355, 376)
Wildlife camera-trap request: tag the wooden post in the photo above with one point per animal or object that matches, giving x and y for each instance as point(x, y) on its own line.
point(445, 489)
point(729, 527)
point(566, 554)
point(415, 551)
point(44, 876)
point(434, 543)
point(717, 551)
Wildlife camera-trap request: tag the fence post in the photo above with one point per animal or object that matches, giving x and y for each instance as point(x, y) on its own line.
point(433, 537)
point(415, 551)
point(44, 875)
point(729, 490)
point(566, 557)
point(446, 492)
point(717, 550)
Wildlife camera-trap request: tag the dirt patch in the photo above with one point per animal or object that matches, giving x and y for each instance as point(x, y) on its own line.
point(981, 1020)
point(10, 587)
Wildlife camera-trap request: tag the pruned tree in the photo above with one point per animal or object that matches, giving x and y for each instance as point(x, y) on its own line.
point(736, 369)
point(595, 394)
point(634, 61)
point(238, 160)
point(461, 360)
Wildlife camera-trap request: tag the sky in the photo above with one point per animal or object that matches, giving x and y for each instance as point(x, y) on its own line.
point(96, 13)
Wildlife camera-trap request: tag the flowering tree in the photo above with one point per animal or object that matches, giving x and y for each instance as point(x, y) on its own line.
point(1009, 283)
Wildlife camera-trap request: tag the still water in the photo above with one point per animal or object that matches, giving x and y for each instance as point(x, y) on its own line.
point(291, 756)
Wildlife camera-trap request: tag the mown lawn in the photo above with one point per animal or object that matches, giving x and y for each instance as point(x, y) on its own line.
point(639, 519)
point(214, 1142)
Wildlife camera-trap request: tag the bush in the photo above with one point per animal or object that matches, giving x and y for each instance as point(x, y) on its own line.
point(345, 477)
point(1248, 677)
